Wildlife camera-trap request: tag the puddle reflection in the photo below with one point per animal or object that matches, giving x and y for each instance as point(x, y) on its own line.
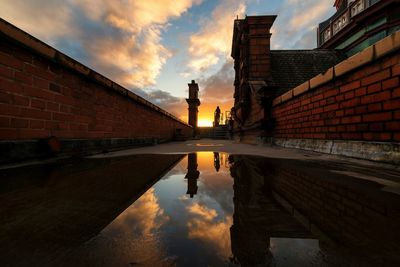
point(206, 209)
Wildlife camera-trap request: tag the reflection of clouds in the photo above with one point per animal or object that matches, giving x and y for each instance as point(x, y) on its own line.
point(216, 187)
point(204, 226)
point(204, 212)
point(213, 184)
point(144, 217)
point(178, 169)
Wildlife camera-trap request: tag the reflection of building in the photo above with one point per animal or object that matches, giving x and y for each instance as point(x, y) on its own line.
point(192, 175)
point(313, 201)
point(358, 24)
point(257, 217)
point(193, 102)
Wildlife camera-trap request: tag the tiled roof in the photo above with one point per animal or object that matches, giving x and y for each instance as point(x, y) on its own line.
point(290, 68)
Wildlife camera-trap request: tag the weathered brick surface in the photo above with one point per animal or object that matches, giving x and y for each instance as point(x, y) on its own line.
point(360, 105)
point(40, 98)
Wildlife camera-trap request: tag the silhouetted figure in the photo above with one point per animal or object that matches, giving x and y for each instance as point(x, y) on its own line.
point(217, 116)
point(216, 161)
point(192, 175)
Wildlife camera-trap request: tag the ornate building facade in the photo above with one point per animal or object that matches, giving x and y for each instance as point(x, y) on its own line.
point(358, 24)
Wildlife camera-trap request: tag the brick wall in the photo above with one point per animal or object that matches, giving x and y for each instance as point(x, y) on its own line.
point(349, 102)
point(44, 93)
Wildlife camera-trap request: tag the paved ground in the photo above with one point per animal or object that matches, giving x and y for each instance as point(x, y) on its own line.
point(384, 174)
point(231, 147)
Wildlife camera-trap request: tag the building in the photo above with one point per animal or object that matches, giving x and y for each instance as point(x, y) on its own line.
point(261, 74)
point(330, 99)
point(358, 24)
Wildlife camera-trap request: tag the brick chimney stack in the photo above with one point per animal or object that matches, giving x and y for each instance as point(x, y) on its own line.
point(257, 29)
point(251, 48)
point(251, 53)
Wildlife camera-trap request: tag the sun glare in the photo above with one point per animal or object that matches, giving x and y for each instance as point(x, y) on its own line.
point(204, 123)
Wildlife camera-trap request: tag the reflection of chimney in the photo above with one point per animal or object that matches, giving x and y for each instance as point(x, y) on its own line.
point(192, 175)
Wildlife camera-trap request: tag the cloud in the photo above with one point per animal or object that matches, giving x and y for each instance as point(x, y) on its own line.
point(217, 90)
point(121, 39)
point(202, 211)
point(219, 86)
point(144, 217)
point(295, 27)
point(165, 100)
point(213, 41)
point(203, 225)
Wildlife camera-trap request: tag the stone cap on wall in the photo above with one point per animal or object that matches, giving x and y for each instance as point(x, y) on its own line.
point(382, 48)
point(35, 45)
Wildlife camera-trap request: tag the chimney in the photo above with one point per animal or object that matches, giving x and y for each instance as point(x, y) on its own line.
point(193, 102)
point(251, 54)
point(259, 37)
point(251, 48)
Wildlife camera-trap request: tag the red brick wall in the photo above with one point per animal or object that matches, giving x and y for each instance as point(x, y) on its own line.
point(361, 105)
point(40, 98)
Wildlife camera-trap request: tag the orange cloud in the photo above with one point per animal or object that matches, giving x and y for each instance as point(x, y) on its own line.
point(144, 217)
point(203, 225)
point(213, 41)
point(120, 38)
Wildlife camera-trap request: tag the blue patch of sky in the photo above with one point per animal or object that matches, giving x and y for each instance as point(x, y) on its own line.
point(175, 37)
point(262, 7)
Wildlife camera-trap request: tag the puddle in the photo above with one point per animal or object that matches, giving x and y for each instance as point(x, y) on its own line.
point(200, 209)
point(389, 185)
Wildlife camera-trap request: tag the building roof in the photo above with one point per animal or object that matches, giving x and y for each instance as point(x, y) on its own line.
point(290, 68)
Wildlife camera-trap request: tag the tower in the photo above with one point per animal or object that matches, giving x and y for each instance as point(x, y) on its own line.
point(193, 102)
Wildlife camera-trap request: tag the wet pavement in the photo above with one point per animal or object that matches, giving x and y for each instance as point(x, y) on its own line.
point(199, 209)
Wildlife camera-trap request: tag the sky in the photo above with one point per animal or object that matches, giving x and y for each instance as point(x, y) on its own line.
point(156, 47)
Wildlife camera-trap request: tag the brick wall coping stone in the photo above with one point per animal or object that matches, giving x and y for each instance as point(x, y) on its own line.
point(374, 151)
point(21, 37)
point(382, 48)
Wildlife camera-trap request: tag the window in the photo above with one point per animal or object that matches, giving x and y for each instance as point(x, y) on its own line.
point(357, 8)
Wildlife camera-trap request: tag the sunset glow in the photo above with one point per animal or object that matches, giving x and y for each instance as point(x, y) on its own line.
point(204, 123)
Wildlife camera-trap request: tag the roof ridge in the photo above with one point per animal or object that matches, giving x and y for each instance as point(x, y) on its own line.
point(306, 50)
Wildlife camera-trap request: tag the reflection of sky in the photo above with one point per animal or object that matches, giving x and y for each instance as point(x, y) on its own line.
point(198, 227)
point(164, 226)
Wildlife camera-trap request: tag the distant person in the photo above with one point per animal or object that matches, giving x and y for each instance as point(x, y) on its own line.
point(217, 116)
